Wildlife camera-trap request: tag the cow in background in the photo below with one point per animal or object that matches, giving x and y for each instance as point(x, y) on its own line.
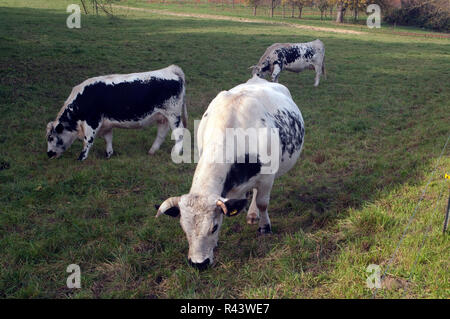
point(135, 100)
point(293, 57)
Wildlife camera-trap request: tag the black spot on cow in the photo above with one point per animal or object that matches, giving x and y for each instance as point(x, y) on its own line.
point(124, 101)
point(290, 130)
point(288, 55)
point(309, 53)
point(205, 115)
point(240, 173)
point(91, 139)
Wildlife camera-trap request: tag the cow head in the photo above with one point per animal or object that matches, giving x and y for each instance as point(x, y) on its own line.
point(59, 138)
point(262, 69)
point(201, 218)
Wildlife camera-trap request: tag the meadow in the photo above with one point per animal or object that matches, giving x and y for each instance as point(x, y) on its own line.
point(375, 132)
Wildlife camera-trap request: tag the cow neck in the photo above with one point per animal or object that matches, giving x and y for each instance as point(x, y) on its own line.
point(209, 177)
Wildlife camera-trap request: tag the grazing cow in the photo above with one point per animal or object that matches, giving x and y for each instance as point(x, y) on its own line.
point(219, 188)
point(293, 57)
point(134, 100)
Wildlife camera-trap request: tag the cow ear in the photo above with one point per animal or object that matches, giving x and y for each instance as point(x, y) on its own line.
point(49, 127)
point(59, 128)
point(232, 207)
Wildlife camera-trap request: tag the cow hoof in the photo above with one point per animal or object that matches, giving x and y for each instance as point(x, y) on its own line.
point(252, 219)
point(265, 230)
point(108, 154)
point(151, 152)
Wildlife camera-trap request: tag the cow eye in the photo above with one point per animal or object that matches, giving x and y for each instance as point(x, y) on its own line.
point(214, 229)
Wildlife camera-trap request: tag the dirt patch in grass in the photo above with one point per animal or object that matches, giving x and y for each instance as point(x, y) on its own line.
point(236, 19)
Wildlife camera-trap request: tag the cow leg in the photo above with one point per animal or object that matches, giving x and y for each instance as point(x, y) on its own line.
point(276, 73)
point(163, 128)
point(88, 140)
point(176, 125)
point(108, 139)
point(253, 214)
point(262, 202)
point(318, 69)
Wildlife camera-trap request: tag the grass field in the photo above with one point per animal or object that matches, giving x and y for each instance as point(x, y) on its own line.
point(374, 132)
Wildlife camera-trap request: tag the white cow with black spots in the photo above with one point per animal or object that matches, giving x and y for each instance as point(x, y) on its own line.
point(294, 57)
point(135, 100)
point(219, 188)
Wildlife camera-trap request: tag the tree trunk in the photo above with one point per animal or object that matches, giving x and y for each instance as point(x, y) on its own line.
point(292, 13)
point(284, 11)
point(321, 14)
point(254, 10)
point(271, 8)
point(300, 12)
point(331, 12)
point(356, 14)
point(340, 13)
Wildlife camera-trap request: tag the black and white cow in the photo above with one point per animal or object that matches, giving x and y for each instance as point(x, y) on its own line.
point(219, 187)
point(134, 100)
point(293, 57)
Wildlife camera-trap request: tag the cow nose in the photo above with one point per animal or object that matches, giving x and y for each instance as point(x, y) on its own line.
point(51, 154)
point(200, 266)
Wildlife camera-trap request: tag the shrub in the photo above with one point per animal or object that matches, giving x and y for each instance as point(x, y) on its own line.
point(431, 14)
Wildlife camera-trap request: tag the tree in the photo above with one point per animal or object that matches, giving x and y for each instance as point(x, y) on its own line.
point(290, 3)
point(341, 7)
point(103, 5)
point(273, 5)
point(356, 6)
point(254, 4)
point(433, 14)
point(323, 6)
point(299, 4)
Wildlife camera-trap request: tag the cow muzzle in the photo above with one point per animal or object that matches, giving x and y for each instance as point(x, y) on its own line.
point(200, 266)
point(51, 154)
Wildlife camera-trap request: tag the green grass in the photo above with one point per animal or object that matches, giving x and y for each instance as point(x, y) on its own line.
point(374, 131)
